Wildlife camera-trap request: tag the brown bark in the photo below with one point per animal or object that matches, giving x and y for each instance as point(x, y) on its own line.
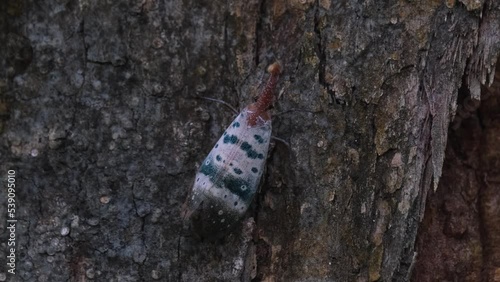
point(459, 237)
point(99, 117)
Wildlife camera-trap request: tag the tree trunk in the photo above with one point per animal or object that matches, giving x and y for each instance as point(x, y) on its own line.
point(102, 122)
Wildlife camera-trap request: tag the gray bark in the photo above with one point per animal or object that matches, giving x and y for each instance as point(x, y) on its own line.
point(100, 119)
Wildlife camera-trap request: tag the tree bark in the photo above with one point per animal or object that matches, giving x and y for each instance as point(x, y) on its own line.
point(101, 120)
point(464, 213)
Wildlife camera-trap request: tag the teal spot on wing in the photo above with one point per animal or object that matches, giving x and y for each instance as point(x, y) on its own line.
point(258, 138)
point(221, 178)
point(232, 139)
point(239, 187)
point(208, 168)
point(260, 156)
point(250, 152)
point(245, 146)
point(218, 158)
point(237, 170)
point(255, 170)
point(236, 124)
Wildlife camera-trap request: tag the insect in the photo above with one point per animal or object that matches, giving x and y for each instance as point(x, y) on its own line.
point(228, 178)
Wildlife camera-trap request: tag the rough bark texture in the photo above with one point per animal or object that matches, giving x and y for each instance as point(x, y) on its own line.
point(99, 117)
point(459, 237)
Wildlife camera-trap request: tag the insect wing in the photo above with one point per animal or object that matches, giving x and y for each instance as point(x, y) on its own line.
point(229, 176)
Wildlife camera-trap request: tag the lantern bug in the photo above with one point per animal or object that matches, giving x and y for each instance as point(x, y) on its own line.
point(228, 178)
